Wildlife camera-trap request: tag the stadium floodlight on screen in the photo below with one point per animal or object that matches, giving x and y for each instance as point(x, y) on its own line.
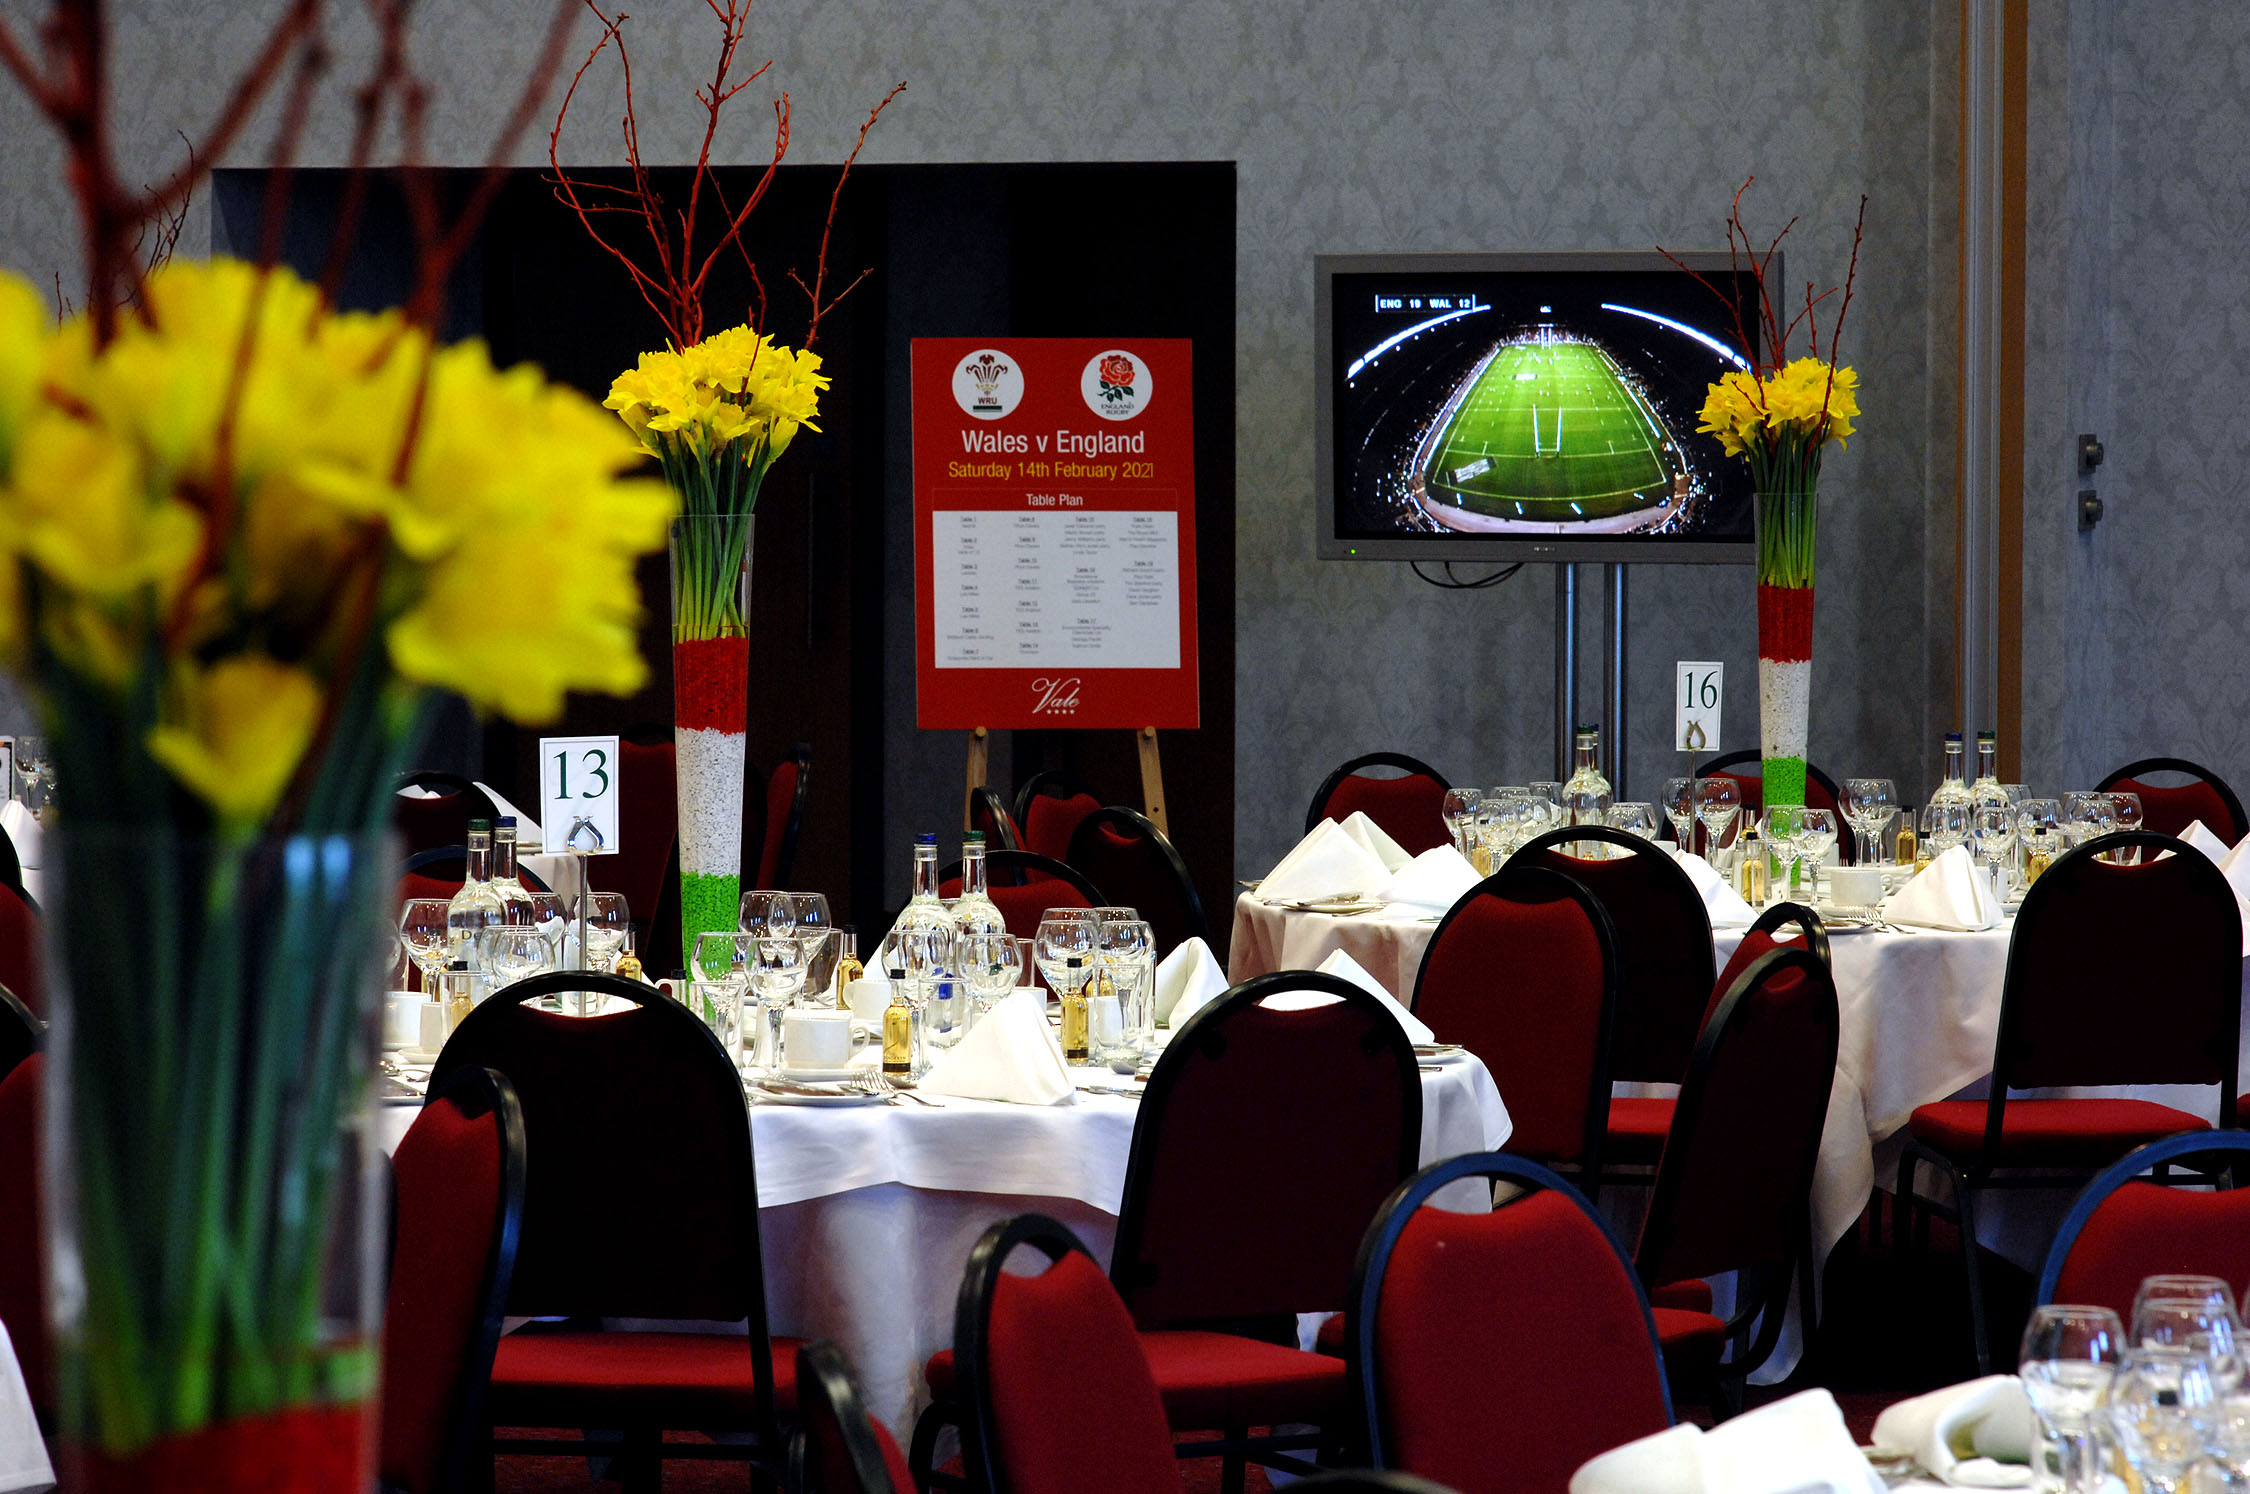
point(1527, 407)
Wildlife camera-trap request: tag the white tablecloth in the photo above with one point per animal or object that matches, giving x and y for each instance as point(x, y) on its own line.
point(23, 1456)
point(868, 1213)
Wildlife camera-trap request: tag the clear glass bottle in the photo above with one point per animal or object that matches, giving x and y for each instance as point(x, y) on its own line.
point(922, 938)
point(974, 911)
point(1953, 784)
point(476, 907)
point(1587, 795)
point(516, 905)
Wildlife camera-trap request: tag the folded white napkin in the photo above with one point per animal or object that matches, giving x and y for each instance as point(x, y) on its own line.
point(2198, 835)
point(2236, 864)
point(25, 832)
point(1344, 966)
point(2220, 853)
point(1185, 979)
point(1371, 835)
point(1435, 880)
point(1721, 902)
point(1950, 893)
point(1797, 1445)
point(23, 1455)
point(1009, 1055)
point(1977, 1435)
point(1329, 862)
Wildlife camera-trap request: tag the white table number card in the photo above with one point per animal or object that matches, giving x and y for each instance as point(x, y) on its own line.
point(578, 795)
point(1702, 688)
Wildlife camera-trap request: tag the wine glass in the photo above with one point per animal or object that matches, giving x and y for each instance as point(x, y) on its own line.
point(2184, 1312)
point(1782, 827)
point(723, 958)
point(777, 974)
point(34, 767)
point(2125, 814)
point(1679, 808)
point(609, 925)
point(511, 952)
point(1868, 802)
point(1816, 830)
point(1718, 801)
point(1944, 826)
point(2068, 1358)
point(1547, 801)
point(1064, 949)
point(421, 928)
point(1634, 818)
point(1992, 840)
point(1127, 950)
point(1459, 811)
point(990, 963)
point(2085, 815)
point(2159, 1402)
point(765, 911)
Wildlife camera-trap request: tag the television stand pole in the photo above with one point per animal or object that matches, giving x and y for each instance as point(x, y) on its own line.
point(1566, 666)
point(1613, 677)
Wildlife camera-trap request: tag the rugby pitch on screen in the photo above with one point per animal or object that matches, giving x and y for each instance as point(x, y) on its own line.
point(1547, 437)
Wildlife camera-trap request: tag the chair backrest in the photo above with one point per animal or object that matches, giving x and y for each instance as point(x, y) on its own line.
point(1782, 926)
point(839, 1448)
point(990, 813)
point(1059, 1393)
point(641, 1200)
point(1734, 1187)
point(2168, 808)
point(1271, 1103)
point(785, 815)
point(2119, 1230)
point(1121, 851)
point(21, 1031)
point(414, 884)
point(1665, 964)
point(2122, 975)
point(1522, 972)
point(23, 1252)
point(1025, 884)
point(441, 821)
point(460, 1177)
point(1820, 793)
point(20, 959)
point(1048, 809)
point(1407, 806)
point(648, 800)
point(1500, 1350)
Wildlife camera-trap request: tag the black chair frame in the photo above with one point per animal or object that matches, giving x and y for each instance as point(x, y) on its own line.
point(21, 1031)
point(825, 1389)
point(785, 856)
point(1985, 1172)
point(2157, 1156)
point(1407, 766)
point(11, 873)
point(1140, 826)
point(445, 855)
point(1002, 820)
point(1055, 783)
point(476, 1090)
point(768, 1452)
point(1018, 862)
point(1508, 883)
point(1383, 1237)
point(972, 1317)
point(2219, 785)
point(1814, 932)
point(1762, 1294)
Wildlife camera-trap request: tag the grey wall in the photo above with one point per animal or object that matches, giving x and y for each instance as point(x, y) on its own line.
point(1443, 124)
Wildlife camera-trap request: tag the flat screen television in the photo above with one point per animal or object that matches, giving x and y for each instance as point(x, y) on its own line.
point(1527, 407)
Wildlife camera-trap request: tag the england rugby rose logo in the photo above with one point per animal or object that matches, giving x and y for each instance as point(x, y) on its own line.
point(1116, 384)
point(1117, 377)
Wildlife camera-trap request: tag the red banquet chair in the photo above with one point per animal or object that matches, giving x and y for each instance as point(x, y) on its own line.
point(640, 1201)
point(785, 816)
point(23, 1251)
point(19, 950)
point(1122, 851)
point(1408, 807)
point(21, 1031)
point(1733, 1191)
point(443, 820)
point(1048, 809)
point(1522, 972)
point(990, 813)
point(1060, 1397)
point(460, 1178)
point(2120, 1229)
point(1033, 884)
point(645, 870)
point(2116, 975)
point(1782, 926)
point(1265, 1107)
point(1665, 974)
point(1820, 793)
point(1499, 1351)
point(838, 1448)
point(2168, 809)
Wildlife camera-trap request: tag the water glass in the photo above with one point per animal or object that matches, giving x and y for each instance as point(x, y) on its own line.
point(1992, 841)
point(1127, 949)
point(1634, 818)
point(1718, 801)
point(34, 767)
point(2125, 814)
point(1868, 803)
point(1459, 811)
point(1783, 829)
point(723, 958)
point(1816, 830)
point(1679, 808)
point(2085, 815)
point(765, 911)
point(990, 963)
point(2160, 1402)
point(421, 928)
point(719, 1004)
point(511, 952)
point(609, 927)
point(1944, 826)
point(2068, 1358)
point(777, 974)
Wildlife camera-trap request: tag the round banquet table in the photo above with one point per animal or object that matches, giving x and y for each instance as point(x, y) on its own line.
point(868, 1212)
point(1919, 1014)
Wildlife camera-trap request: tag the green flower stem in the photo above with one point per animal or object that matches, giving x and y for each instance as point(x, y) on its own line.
point(1787, 478)
point(718, 490)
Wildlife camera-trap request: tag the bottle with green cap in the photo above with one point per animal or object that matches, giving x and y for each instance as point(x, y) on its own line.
point(477, 906)
point(974, 912)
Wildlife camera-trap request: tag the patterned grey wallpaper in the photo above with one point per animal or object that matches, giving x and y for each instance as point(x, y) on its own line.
point(1438, 124)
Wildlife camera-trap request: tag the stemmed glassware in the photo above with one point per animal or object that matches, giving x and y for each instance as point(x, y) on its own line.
point(1547, 805)
point(1635, 818)
point(609, 927)
point(511, 952)
point(421, 928)
point(777, 974)
point(1816, 833)
point(719, 969)
point(990, 963)
point(2125, 814)
point(1679, 808)
point(2161, 1403)
point(1718, 801)
point(34, 767)
point(1944, 826)
point(1127, 948)
point(1868, 803)
point(1782, 827)
point(2069, 1356)
point(1065, 949)
point(2085, 815)
point(1459, 811)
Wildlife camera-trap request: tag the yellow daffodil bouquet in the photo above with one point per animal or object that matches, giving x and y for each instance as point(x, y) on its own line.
point(245, 541)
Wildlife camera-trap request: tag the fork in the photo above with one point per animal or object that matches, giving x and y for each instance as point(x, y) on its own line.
point(890, 1093)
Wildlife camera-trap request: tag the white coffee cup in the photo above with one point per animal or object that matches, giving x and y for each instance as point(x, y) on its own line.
point(816, 1039)
point(402, 1018)
point(867, 997)
point(1855, 886)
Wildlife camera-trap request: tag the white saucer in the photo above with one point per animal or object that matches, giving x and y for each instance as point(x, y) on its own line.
point(765, 1096)
point(793, 1075)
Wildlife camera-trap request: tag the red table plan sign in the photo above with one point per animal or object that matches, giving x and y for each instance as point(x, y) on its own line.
point(1054, 533)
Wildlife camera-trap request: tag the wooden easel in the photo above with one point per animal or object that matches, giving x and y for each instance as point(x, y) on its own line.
point(1152, 775)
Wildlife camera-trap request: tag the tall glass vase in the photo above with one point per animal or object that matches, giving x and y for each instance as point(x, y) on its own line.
point(216, 1224)
point(710, 712)
point(1785, 613)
